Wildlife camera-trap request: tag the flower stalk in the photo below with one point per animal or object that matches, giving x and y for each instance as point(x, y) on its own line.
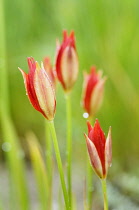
point(59, 163)
point(104, 190)
point(69, 147)
point(89, 187)
point(48, 144)
point(49, 161)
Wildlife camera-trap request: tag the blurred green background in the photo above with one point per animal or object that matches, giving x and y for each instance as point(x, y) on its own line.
point(107, 35)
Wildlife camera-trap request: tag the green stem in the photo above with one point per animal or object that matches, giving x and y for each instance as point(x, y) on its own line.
point(89, 179)
point(69, 147)
point(49, 162)
point(104, 190)
point(59, 163)
point(89, 185)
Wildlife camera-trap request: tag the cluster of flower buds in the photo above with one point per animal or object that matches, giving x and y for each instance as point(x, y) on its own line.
point(40, 85)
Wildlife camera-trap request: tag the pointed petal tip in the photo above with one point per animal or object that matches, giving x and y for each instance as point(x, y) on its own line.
point(72, 34)
point(22, 72)
point(93, 69)
point(37, 65)
point(89, 126)
point(97, 122)
point(42, 65)
point(65, 34)
point(29, 58)
point(109, 132)
point(97, 126)
point(85, 135)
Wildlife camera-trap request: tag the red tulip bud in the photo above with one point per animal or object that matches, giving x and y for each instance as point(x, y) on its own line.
point(67, 61)
point(93, 89)
point(99, 149)
point(39, 89)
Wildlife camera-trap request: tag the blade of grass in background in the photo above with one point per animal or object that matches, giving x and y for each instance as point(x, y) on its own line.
point(4, 96)
point(15, 162)
point(39, 171)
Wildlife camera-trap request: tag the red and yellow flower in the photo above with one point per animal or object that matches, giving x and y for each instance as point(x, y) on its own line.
point(93, 90)
point(67, 61)
point(39, 89)
point(99, 149)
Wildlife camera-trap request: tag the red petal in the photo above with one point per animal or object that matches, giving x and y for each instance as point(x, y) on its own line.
point(67, 41)
point(108, 150)
point(89, 127)
point(45, 93)
point(91, 82)
point(49, 70)
point(31, 64)
point(29, 86)
point(65, 35)
point(98, 138)
point(94, 157)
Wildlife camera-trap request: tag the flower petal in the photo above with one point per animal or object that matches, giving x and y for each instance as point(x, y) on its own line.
point(69, 67)
point(94, 157)
point(67, 61)
point(97, 96)
point(25, 77)
point(30, 91)
point(90, 127)
point(45, 92)
point(108, 151)
point(98, 138)
point(91, 80)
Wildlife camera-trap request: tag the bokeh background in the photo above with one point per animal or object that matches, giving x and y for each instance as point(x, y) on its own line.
point(107, 36)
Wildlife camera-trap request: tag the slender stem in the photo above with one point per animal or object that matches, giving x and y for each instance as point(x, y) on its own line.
point(48, 144)
point(89, 185)
point(89, 180)
point(59, 163)
point(49, 162)
point(104, 190)
point(69, 147)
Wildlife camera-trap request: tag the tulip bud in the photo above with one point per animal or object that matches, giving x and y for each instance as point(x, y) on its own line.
point(39, 89)
point(50, 70)
point(67, 61)
point(93, 90)
point(99, 149)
